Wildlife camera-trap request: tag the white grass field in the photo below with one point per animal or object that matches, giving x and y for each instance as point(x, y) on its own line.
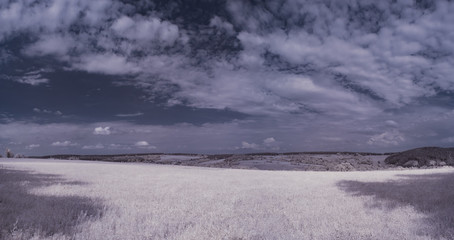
point(57, 199)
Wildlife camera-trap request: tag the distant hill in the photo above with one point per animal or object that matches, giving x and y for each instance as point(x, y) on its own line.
point(425, 156)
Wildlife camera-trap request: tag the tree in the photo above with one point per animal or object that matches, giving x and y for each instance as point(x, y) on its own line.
point(9, 154)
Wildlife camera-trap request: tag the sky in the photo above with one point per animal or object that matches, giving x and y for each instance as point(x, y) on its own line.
point(111, 76)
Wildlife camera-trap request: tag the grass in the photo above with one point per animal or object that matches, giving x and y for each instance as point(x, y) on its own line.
point(146, 201)
point(430, 194)
point(25, 215)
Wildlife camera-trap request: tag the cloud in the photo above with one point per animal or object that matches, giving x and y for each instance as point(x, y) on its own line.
point(323, 70)
point(269, 140)
point(246, 145)
point(146, 29)
point(106, 63)
point(102, 131)
point(6, 117)
point(51, 16)
point(341, 59)
point(32, 146)
point(144, 144)
point(393, 137)
point(268, 144)
point(97, 146)
point(63, 144)
point(141, 144)
point(129, 114)
point(340, 54)
point(448, 140)
point(50, 45)
point(297, 133)
point(391, 123)
point(340, 48)
point(114, 146)
point(6, 55)
point(38, 110)
point(33, 78)
point(222, 25)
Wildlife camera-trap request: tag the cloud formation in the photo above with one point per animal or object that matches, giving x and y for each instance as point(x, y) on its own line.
point(375, 74)
point(331, 57)
point(91, 147)
point(387, 138)
point(102, 131)
point(37, 110)
point(144, 145)
point(31, 146)
point(33, 78)
point(129, 114)
point(63, 144)
point(246, 145)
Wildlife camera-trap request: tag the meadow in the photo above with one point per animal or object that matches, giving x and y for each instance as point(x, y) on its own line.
point(60, 199)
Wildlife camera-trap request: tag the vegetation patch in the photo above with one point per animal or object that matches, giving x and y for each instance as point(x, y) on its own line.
point(25, 215)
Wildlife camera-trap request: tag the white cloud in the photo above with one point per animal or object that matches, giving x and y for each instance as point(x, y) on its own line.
point(144, 144)
point(129, 114)
point(123, 24)
point(32, 79)
point(32, 146)
point(64, 144)
point(296, 133)
point(51, 16)
point(115, 146)
point(222, 24)
point(269, 140)
point(448, 140)
point(102, 131)
point(391, 123)
point(50, 45)
point(6, 118)
point(141, 144)
point(333, 139)
point(107, 64)
point(246, 145)
point(97, 146)
point(393, 137)
point(271, 143)
point(38, 110)
point(146, 29)
point(340, 66)
point(333, 44)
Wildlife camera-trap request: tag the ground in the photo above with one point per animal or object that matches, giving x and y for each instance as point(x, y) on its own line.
point(60, 199)
point(263, 161)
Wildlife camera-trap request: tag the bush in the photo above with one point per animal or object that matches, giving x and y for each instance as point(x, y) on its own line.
point(423, 156)
point(9, 154)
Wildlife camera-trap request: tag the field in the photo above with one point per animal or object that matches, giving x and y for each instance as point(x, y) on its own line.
point(315, 161)
point(60, 199)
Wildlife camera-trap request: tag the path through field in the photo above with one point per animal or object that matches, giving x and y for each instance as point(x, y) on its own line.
point(61, 199)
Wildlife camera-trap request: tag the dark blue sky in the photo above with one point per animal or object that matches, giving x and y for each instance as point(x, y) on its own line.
point(225, 76)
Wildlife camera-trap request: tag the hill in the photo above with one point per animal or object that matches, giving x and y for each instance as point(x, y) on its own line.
point(425, 156)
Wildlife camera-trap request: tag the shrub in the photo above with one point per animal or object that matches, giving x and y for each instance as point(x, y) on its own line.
point(9, 154)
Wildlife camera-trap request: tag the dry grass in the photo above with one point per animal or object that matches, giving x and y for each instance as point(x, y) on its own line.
point(25, 215)
point(430, 194)
point(145, 201)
